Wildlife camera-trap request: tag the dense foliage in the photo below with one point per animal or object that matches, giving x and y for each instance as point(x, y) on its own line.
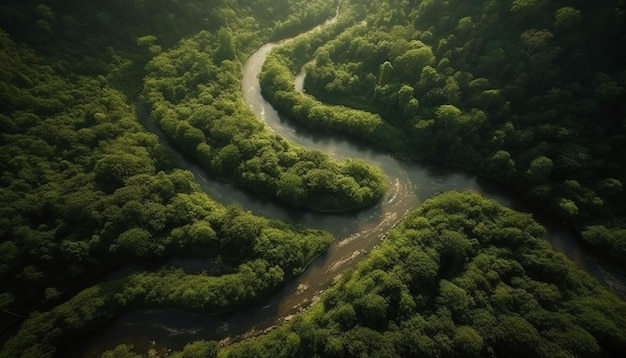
point(85, 189)
point(277, 83)
point(194, 93)
point(118, 37)
point(461, 276)
point(529, 93)
point(505, 87)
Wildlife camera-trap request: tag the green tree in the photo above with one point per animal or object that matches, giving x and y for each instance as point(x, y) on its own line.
point(453, 298)
point(113, 169)
point(199, 349)
point(539, 169)
point(536, 41)
point(227, 160)
point(567, 17)
point(467, 342)
point(500, 165)
point(516, 337)
point(409, 65)
point(134, 241)
point(290, 188)
point(227, 49)
point(121, 351)
point(371, 310)
point(610, 242)
point(386, 73)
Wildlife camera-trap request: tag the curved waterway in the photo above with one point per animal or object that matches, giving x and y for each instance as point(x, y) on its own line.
point(356, 234)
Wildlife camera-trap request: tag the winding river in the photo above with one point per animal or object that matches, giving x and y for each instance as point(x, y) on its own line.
point(356, 234)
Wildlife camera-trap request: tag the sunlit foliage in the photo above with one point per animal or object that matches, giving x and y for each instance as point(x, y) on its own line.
point(460, 276)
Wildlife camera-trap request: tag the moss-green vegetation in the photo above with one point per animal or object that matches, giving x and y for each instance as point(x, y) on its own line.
point(529, 93)
point(194, 93)
point(130, 44)
point(461, 276)
point(85, 189)
point(277, 83)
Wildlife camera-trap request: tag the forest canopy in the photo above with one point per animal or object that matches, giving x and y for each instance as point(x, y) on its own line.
point(462, 276)
point(527, 93)
point(193, 93)
point(85, 189)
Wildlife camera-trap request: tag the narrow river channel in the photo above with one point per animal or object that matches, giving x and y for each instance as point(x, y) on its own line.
point(356, 234)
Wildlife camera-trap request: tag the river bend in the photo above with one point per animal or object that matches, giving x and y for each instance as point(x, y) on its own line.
point(356, 233)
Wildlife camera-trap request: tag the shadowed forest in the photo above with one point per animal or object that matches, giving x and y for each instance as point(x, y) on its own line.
point(527, 93)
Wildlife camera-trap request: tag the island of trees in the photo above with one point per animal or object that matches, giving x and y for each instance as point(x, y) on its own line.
point(526, 92)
